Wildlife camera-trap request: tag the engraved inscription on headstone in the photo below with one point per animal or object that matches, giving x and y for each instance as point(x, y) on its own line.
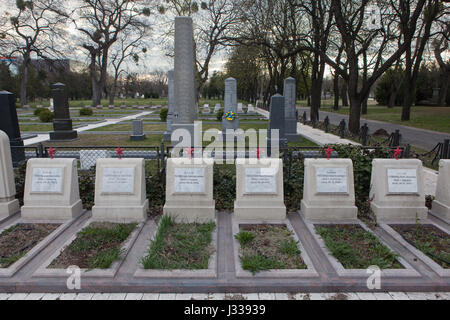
point(402, 180)
point(47, 180)
point(331, 180)
point(260, 180)
point(118, 180)
point(189, 180)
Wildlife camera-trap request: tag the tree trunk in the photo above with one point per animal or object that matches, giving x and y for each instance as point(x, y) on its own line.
point(316, 93)
point(336, 91)
point(354, 114)
point(408, 87)
point(445, 81)
point(344, 95)
point(23, 85)
point(392, 96)
point(364, 105)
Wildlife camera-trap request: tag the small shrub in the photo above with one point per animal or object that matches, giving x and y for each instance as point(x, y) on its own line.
point(163, 114)
point(86, 112)
point(38, 111)
point(46, 116)
point(219, 115)
point(245, 237)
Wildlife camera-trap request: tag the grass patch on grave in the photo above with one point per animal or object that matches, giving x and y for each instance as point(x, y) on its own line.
point(268, 247)
point(355, 248)
point(36, 127)
point(18, 240)
point(95, 247)
point(180, 246)
point(122, 140)
point(128, 127)
point(432, 241)
point(265, 247)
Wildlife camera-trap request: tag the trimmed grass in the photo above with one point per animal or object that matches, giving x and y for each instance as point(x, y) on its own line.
point(122, 140)
point(96, 246)
point(180, 246)
point(430, 118)
point(266, 247)
point(430, 240)
point(128, 126)
point(356, 248)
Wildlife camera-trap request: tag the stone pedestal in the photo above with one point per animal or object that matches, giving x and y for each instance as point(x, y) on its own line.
point(9, 123)
point(441, 204)
point(138, 131)
point(120, 191)
point(328, 190)
point(51, 190)
point(189, 190)
point(8, 202)
point(259, 190)
point(277, 121)
point(62, 124)
point(290, 110)
point(397, 190)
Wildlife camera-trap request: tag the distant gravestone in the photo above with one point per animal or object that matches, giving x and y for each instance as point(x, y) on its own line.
point(9, 123)
point(277, 121)
point(217, 108)
point(111, 106)
point(88, 158)
point(8, 202)
point(240, 108)
point(123, 106)
point(51, 190)
point(290, 110)
point(441, 205)
point(99, 106)
point(259, 190)
point(397, 190)
point(189, 190)
point(138, 131)
point(328, 192)
point(206, 109)
point(120, 191)
point(62, 124)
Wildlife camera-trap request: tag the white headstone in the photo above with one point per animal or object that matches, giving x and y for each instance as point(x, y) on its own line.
point(441, 205)
point(88, 158)
point(328, 190)
point(189, 190)
point(120, 191)
point(8, 202)
point(397, 190)
point(259, 190)
point(51, 190)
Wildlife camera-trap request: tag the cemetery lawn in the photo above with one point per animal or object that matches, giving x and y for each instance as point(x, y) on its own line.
point(266, 247)
point(180, 246)
point(17, 240)
point(95, 247)
point(128, 126)
point(115, 140)
point(432, 241)
point(355, 248)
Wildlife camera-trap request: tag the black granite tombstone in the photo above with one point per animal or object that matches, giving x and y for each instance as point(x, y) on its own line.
point(9, 123)
point(62, 124)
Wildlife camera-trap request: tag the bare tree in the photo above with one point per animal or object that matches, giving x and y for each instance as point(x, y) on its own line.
point(100, 23)
point(441, 44)
point(32, 28)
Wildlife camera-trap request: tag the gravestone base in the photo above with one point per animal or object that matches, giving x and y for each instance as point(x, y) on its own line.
point(43, 213)
point(137, 138)
point(53, 195)
point(186, 126)
point(167, 136)
point(64, 135)
point(264, 198)
point(189, 190)
point(116, 214)
point(397, 190)
point(322, 213)
point(441, 210)
point(293, 137)
point(9, 208)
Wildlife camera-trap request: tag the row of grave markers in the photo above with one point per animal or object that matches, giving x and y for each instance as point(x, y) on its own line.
point(52, 192)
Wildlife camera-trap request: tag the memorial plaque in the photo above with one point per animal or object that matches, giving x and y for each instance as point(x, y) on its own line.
point(47, 180)
point(402, 180)
point(260, 180)
point(331, 180)
point(189, 180)
point(118, 180)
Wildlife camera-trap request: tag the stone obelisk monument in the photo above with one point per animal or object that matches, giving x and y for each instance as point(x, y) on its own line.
point(171, 114)
point(184, 77)
point(290, 110)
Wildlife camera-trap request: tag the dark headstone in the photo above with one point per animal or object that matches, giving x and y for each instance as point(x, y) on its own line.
point(62, 124)
point(138, 131)
point(9, 123)
point(277, 119)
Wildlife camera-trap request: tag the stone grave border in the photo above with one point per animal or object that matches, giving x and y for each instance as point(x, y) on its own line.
point(14, 268)
point(419, 254)
point(310, 272)
point(430, 212)
point(209, 273)
point(44, 271)
point(407, 272)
